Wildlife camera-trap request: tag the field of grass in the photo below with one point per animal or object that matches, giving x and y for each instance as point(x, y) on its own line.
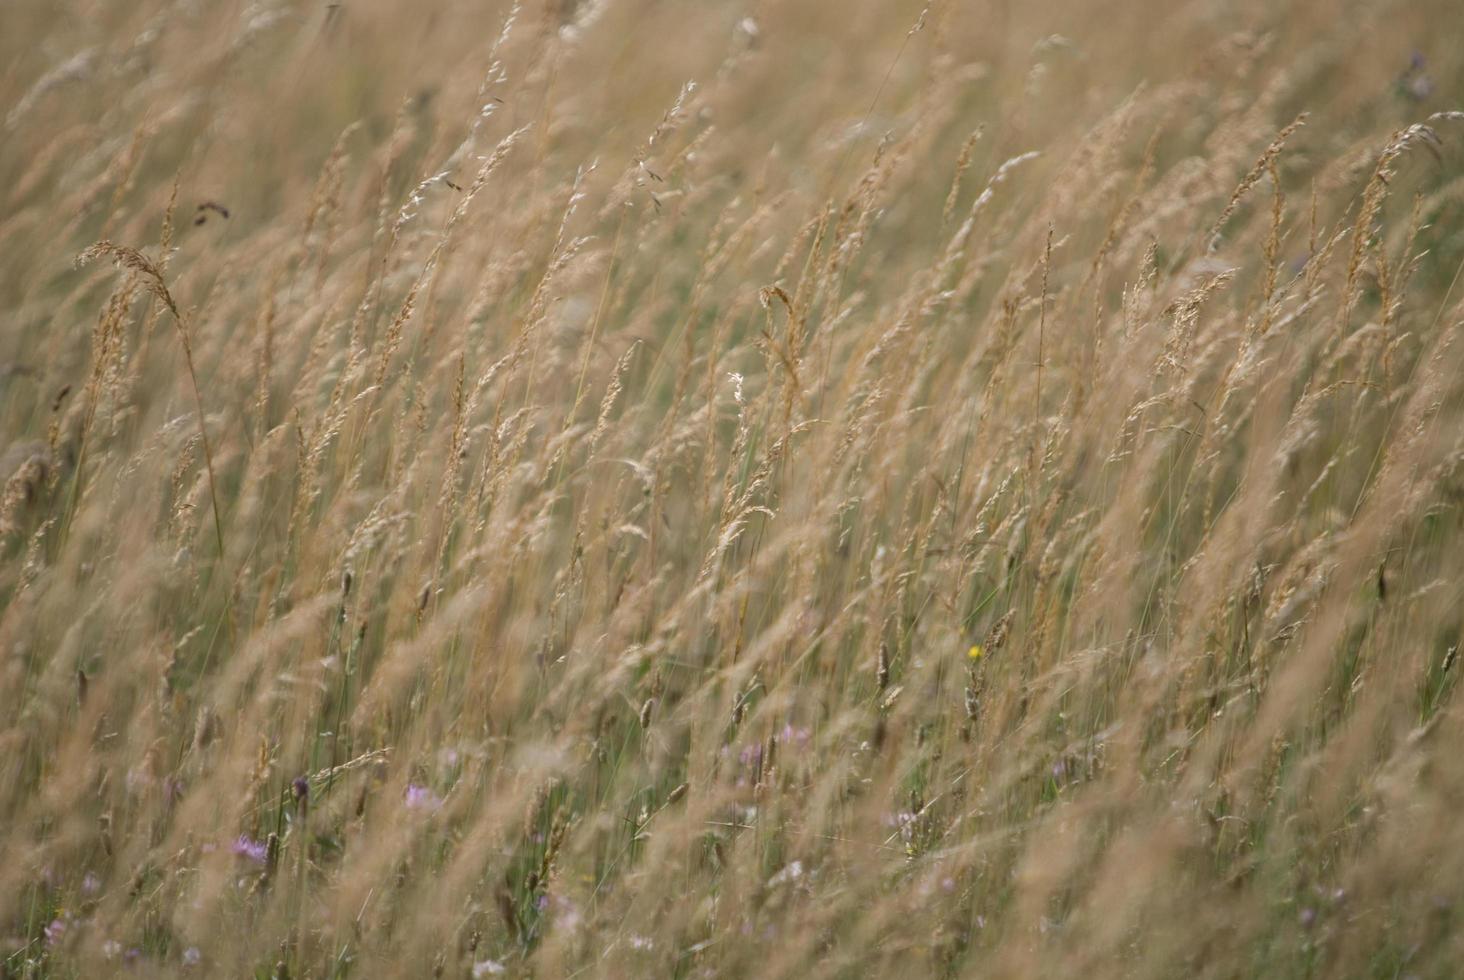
point(773, 488)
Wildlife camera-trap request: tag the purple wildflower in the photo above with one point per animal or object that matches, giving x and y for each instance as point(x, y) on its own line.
point(566, 915)
point(254, 850)
point(793, 737)
point(1415, 83)
point(56, 930)
point(173, 790)
point(902, 820)
point(422, 798)
point(192, 956)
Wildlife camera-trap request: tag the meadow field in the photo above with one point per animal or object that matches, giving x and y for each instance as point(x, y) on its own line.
point(737, 488)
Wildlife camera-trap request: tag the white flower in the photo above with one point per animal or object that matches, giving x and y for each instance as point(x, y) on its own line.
point(791, 872)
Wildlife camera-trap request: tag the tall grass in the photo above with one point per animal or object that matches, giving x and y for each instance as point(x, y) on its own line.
point(619, 488)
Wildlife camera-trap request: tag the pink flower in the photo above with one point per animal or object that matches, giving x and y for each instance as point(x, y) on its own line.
point(422, 798)
point(56, 931)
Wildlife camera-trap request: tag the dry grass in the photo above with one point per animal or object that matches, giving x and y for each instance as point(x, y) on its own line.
point(618, 488)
